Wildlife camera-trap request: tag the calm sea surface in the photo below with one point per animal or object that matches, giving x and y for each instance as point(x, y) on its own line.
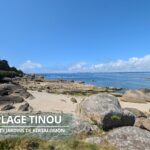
point(124, 80)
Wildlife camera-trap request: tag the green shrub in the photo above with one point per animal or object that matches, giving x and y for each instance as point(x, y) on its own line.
point(115, 117)
point(4, 65)
point(7, 71)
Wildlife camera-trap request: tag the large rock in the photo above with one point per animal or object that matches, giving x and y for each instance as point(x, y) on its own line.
point(39, 79)
point(8, 86)
point(146, 124)
point(137, 96)
point(3, 92)
point(14, 89)
point(79, 126)
point(24, 107)
point(10, 99)
point(125, 138)
point(143, 123)
point(73, 100)
point(7, 107)
point(6, 89)
point(105, 111)
point(6, 80)
point(136, 112)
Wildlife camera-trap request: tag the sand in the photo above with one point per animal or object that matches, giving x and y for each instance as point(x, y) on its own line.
point(47, 102)
point(144, 107)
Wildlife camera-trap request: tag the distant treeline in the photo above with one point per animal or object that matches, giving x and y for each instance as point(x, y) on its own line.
point(7, 71)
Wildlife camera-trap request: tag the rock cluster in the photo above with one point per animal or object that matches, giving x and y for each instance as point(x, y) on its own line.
point(13, 89)
point(38, 83)
point(101, 110)
point(10, 94)
point(105, 111)
point(142, 120)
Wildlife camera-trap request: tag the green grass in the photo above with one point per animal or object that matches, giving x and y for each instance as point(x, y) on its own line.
point(115, 117)
point(36, 144)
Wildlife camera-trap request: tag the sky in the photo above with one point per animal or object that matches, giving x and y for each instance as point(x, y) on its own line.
point(75, 35)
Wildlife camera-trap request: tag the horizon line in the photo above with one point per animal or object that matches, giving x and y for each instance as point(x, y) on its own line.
point(91, 72)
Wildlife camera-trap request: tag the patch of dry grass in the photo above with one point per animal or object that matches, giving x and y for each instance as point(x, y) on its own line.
point(36, 144)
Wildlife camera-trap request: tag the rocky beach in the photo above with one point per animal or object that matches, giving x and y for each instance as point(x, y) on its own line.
point(74, 75)
point(93, 108)
point(63, 95)
point(102, 117)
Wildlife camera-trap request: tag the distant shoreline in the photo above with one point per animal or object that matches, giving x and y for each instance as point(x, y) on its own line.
point(129, 80)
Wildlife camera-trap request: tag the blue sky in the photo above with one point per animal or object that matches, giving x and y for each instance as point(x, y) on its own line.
point(75, 35)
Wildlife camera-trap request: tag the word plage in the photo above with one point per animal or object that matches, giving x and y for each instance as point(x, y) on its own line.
point(32, 119)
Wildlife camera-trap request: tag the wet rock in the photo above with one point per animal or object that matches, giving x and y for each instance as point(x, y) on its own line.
point(105, 111)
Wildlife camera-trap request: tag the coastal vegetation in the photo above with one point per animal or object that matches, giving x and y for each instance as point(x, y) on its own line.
point(7, 71)
point(37, 144)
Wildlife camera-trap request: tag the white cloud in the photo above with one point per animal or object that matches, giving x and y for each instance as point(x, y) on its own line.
point(131, 65)
point(81, 66)
point(30, 66)
point(134, 64)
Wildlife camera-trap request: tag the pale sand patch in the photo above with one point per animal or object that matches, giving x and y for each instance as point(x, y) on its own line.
point(144, 107)
point(47, 102)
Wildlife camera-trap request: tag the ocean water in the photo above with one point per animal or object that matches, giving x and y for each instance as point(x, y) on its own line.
point(123, 80)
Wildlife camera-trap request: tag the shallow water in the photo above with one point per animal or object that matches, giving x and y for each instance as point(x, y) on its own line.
point(124, 80)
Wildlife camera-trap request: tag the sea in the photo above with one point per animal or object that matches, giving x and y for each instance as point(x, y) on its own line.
point(130, 80)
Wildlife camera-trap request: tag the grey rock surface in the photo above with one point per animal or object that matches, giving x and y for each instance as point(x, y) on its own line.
point(143, 123)
point(7, 107)
point(105, 111)
point(24, 107)
point(125, 138)
point(137, 96)
point(10, 99)
point(14, 89)
point(136, 112)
